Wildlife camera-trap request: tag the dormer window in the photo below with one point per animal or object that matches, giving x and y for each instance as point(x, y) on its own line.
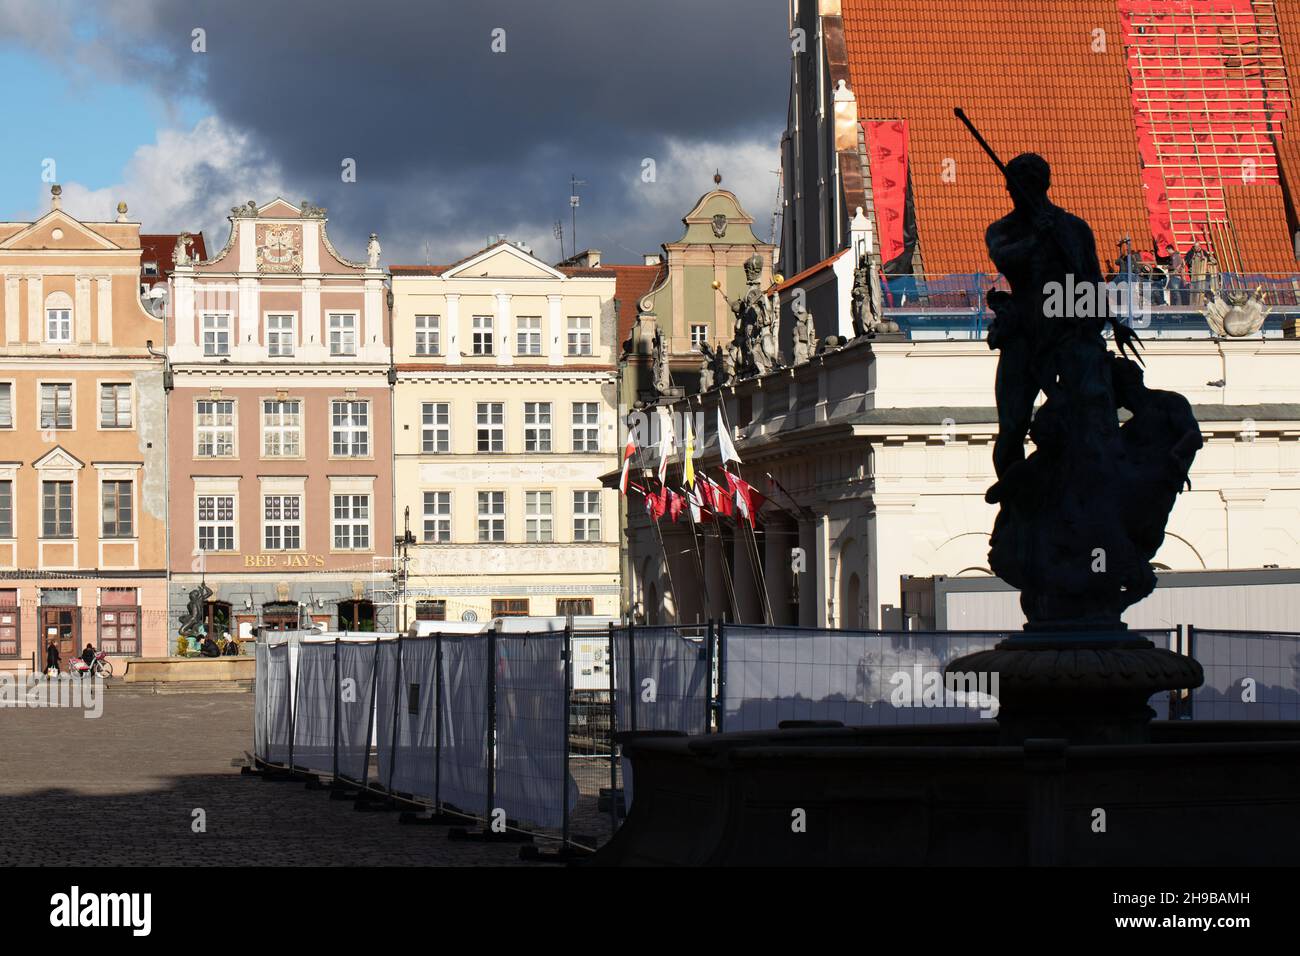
point(58, 325)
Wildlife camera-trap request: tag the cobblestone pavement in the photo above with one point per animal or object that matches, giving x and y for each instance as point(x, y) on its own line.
point(121, 789)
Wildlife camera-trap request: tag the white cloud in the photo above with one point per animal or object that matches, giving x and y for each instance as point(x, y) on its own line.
point(186, 180)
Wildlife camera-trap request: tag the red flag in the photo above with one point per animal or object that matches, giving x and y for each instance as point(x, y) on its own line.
point(748, 498)
point(655, 504)
point(628, 451)
point(676, 504)
point(714, 498)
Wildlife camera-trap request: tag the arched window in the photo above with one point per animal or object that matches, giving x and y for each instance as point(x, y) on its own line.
point(58, 317)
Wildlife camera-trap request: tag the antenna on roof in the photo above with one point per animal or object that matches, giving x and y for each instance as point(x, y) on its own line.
point(427, 260)
point(558, 232)
point(574, 183)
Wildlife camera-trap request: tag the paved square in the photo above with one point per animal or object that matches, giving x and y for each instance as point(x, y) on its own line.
point(121, 789)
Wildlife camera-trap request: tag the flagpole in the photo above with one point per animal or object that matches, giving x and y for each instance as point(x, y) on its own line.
point(699, 559)
point(728, 574)
point(755, 564)
point(663, 549)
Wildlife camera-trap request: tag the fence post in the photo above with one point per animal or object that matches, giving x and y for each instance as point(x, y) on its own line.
point(613, 727)
point(437, 722)
point(397, 697)
point(370, 712)
point(566, 656)
point(337, 695)
point(1187, 712)
point(710, 703)
point(492, 719)
point(722, 673)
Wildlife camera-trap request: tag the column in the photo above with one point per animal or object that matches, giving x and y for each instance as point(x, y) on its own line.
point(452, 331)
point(35, 308)
point(104, 308)
point(13, 332)
point(505, 351)
point(555, 328)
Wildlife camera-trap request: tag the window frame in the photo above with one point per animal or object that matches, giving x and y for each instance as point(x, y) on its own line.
point(539, 516)
point(292, 331)
point(216, 524)
point(10, 386)
point(71, 387)
point(590, 445)
point(438, 520)
point(496, 431)
point(282, 523)
point(494, 517)
point(584, 518)
point(215, 429)
point(349, 428)
point(225, 328)
point(353, 327)
point(431, 329)
point(118, 533)
point(483, 335)
point(280, 429)
point(431, 431)
point(130, 405)
point(66, 312)
point(585, 336)
point(538, 432)
point(354, 523)
point(533, 332)
point(71, 528)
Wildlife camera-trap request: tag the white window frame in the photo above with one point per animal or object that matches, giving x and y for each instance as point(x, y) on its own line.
point(585, 432)
point(580, 336)
point(216, 524)
point(428, 335)
point(355, 526)
point(431, 431)
point(282, 524)
point(539, 517)
point(10, 387)
point(219, 325)
point(528, 335)
point(215, 430)
point(279, 429)
point(64, 325)
point(350, 429)
point(347, 334)
point(130, 406)
point(491, 516)
point(539, 421)
point(585, 518)
point(436, 528)
point(495, 430)
point(699, 336)
point(482, 335)
point(278, 335)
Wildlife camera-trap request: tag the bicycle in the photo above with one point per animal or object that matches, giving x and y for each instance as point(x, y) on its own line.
point(101, 667)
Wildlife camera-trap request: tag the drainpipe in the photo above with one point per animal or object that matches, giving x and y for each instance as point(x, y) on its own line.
point(392, 445)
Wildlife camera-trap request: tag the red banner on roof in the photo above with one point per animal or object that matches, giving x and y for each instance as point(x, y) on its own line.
point(887, 154)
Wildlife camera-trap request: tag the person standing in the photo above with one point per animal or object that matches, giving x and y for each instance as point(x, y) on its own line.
point(52, 656)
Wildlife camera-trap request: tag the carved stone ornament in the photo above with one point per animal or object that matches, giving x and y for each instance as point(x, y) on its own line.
point(279, 248)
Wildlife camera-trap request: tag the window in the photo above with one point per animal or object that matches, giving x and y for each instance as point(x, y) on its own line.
point(279, 336)
point(216, 335)
point(586, 426)
point(349, 429)
point(282, 522)
point(510, 607)
point(352, 522)
point(528, 336)
point(216, 522)
point(6, 405)
point(426, 335)
point(578, 607)
point(356, 616)
point(343, 334)
point(491, 516)
point(586, 516)
point(116, 506)
point(437, 517)
point(435, 428)
point(115, 406)
point(537, 517)
point(56, 405)
point(579, 336)
point(482, 337)
point(699, 336)
point(215, 427)
point(119, 625)
point(281, 428)
point(56, 509)
point(491, 418)
point(537, 426)
point(6, 509)
point(58, 325)
point(435, 610)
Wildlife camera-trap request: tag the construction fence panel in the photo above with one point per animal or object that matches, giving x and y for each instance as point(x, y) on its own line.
point(661, 679)
point(414, 745)
point(532, 776)
point(260, 702)
point(313, 718)
point(1249, 675)
point(387, 667)
point(463, 716)
point(356, 707)
point(279, 714)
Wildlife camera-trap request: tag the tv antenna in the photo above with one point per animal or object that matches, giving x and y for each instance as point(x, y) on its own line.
point(558, 231)
point(574, 183)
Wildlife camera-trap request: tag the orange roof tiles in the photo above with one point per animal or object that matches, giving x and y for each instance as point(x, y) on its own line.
point(1259, 222)
point(631, 283)
point(1028, 77)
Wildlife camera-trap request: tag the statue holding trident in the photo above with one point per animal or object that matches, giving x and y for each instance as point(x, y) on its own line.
point(1068, 534)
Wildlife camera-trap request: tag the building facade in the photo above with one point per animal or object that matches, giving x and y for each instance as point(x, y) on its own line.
point(83, 472)
point(505, 421)
point(280, 429)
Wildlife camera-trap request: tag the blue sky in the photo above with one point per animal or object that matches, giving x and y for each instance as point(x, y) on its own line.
point(89, 129)
point(453, 140)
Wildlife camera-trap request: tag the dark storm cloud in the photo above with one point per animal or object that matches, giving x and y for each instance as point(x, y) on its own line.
point(472, 141)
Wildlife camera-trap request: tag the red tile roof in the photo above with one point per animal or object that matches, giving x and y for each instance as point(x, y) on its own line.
point(631, 283)
point(1032, 77)
point(161, 248)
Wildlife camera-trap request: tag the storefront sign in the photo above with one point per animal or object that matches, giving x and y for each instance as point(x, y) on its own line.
point(284, 560)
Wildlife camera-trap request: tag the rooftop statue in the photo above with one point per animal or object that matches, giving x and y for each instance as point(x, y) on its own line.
point(868, 311)
point(757, 323)
point(662, 376)
point(1081, 518)
point(805, 337)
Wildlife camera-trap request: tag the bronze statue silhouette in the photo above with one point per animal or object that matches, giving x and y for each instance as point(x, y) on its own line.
point(193, 620)
point(1079, 519)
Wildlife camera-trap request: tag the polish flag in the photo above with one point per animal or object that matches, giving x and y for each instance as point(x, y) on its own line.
point(628, 451)
point(749, 500)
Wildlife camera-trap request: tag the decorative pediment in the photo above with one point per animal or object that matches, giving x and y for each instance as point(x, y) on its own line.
point(59, 459)
point(504, 260)
point(57, 230)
